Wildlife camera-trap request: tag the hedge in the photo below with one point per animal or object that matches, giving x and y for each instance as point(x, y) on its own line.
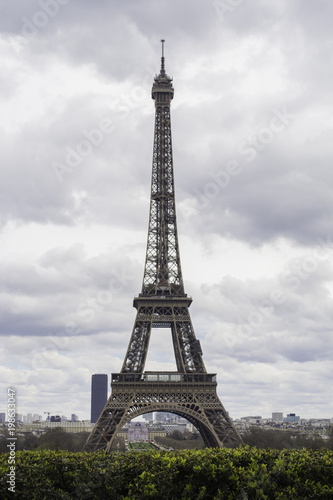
point(241, 474)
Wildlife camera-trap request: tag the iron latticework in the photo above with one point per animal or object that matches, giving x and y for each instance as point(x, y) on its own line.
point(190, 391)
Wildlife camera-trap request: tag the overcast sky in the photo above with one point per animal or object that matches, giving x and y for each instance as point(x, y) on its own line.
point(252, 140)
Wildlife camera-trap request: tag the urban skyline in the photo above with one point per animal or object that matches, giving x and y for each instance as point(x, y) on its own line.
point(277, 417)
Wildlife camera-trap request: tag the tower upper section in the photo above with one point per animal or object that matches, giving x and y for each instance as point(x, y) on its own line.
point(162, 275)
point(162, 91)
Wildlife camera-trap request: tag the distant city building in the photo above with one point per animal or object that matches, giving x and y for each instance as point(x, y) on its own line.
point(254, 420)
point(170, 428)
point(161, 416)
point(55, 418)
point(148, 416)
point(99, 395)
point(26, 419)
point(320, 422)
point(74, 418)
point(2, 418)
point(292, 418)
point(84, 426)
point(154, 431)
point(277, 417)
point(137, 431)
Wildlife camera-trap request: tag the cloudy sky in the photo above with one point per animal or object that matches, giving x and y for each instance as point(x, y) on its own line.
point(252, 137)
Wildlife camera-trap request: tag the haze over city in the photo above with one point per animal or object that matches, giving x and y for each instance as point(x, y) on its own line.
point(252, 144)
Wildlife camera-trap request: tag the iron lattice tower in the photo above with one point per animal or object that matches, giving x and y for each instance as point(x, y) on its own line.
point(190, 391)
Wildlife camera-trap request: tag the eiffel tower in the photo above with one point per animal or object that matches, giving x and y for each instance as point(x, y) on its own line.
point(189, 392)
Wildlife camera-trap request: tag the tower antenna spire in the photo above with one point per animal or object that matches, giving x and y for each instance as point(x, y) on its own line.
point(162, 59)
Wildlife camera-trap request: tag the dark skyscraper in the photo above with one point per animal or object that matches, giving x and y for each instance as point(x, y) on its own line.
point(99, 395)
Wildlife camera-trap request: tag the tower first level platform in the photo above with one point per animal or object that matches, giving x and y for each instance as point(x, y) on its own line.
point(189, 395)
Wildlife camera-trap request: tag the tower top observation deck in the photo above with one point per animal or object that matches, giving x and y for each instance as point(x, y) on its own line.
point(162, 82)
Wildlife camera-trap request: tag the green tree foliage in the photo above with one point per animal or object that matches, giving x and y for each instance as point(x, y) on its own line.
point(181, 444)
point(179, 436)
point(284, 439)
point(242, 473)
point(53, 439)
